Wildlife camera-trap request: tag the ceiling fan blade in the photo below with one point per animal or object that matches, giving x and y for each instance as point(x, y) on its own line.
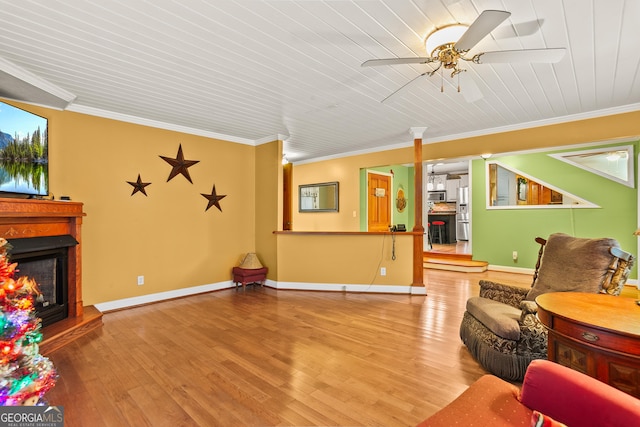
point(469, 88)
point(483, 25)
point(527, 55)
point(395, 61)
point(404, 86)
point(522, 29)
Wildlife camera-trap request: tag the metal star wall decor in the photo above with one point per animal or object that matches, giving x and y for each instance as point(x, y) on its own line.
point(180, 165)
point(139, 186)
point(214, 199)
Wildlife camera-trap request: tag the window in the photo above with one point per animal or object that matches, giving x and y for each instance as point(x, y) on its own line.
point(615, 163)
point(509, 188)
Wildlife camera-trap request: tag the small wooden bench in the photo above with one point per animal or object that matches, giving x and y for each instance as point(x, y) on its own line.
point(249, 275)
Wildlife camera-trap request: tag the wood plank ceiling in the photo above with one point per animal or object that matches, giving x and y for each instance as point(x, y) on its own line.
point(249, 70)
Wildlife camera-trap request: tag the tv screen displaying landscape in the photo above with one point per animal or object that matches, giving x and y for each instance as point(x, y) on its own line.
point(23, 152)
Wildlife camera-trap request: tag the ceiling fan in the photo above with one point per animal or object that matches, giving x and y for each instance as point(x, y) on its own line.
point(449, 45)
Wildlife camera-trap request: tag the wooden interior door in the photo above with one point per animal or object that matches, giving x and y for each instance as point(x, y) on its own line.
point(379, 197)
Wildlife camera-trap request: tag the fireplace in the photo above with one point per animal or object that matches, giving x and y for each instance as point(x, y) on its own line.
point(39, 223)
point(46, 260)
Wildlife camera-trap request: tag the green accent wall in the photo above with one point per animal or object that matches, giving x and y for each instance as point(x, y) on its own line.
point(497, 233)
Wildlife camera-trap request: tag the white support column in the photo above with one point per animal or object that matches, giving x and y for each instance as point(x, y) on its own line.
point(418, 133)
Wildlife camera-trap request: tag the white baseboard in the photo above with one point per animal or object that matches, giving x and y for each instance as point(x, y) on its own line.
point(161, 296)
point(298, 286)
point(345, 287)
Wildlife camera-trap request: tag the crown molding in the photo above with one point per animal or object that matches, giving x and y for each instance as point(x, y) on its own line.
point(24, 86)
point(418, 132)
point(528, 125)
point(83, 109)
point(539, 123)
point(271, 138)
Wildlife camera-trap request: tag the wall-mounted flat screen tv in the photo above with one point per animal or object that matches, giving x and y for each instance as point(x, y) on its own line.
point(24, 155)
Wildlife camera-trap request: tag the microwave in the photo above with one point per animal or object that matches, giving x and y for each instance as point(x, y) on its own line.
point(436, 196)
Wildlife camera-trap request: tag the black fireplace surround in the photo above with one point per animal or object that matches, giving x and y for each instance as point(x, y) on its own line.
point(45, 259)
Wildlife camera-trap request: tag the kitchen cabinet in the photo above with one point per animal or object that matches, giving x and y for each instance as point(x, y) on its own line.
point(452, 189)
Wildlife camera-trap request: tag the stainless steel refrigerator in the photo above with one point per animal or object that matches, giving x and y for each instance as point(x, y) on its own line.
point(462, 214)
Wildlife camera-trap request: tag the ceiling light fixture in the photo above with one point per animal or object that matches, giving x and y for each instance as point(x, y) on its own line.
point(448, 45)
point(441, 45)
point(485, 155)
point(613, 156)
point(444, 38)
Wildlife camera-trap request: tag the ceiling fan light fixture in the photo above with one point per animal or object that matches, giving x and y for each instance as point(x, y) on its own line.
point(614, 156)
point(444, 36)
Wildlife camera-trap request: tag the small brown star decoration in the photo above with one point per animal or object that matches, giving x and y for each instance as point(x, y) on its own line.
point(214, 199)
point(139, 186)
point(180, 165)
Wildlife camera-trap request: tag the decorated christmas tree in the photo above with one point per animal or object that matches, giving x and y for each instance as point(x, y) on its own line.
point(25, 375)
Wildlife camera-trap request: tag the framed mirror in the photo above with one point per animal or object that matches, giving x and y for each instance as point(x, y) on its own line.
point(321, 197)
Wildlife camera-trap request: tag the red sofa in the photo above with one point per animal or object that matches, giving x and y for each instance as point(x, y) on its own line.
point(554, 392)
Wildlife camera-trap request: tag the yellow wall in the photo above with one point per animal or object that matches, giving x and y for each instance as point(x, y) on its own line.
point(167, 237)
point(626, 125)
point(268, 203)
point(346, 171)
point(346, 259)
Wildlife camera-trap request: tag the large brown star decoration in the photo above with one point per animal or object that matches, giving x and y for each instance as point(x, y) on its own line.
point(180, 165)
point(214, 199)
point(139, 186)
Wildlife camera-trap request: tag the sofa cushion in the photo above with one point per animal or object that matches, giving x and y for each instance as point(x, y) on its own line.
point(572, 264)
point(501, 319)
point(489, 401)
point(576, 399)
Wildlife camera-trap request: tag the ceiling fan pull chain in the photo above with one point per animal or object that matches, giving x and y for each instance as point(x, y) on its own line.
point(441, 80)
point(458, 82)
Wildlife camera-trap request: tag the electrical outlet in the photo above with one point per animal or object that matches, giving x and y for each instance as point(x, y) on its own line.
point(140, 280)
point(383, 271)
point(515, 255)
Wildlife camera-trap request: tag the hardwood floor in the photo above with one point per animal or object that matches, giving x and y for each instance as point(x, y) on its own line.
point(263, 357)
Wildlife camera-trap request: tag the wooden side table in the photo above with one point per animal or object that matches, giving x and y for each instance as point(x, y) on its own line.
point(596, 334)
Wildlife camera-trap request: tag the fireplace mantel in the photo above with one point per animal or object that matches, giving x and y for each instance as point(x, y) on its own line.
point(23, 218)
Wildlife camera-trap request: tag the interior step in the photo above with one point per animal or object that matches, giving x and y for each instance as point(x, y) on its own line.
point(447, 255)
point(69, 329)
point(453, 262)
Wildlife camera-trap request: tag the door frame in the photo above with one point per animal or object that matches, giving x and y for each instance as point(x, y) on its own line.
point(391, 183)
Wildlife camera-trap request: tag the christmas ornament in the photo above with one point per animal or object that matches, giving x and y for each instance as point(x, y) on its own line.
point(25, 375)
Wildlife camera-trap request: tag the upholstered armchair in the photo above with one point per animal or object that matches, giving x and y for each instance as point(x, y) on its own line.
point(500, 326)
